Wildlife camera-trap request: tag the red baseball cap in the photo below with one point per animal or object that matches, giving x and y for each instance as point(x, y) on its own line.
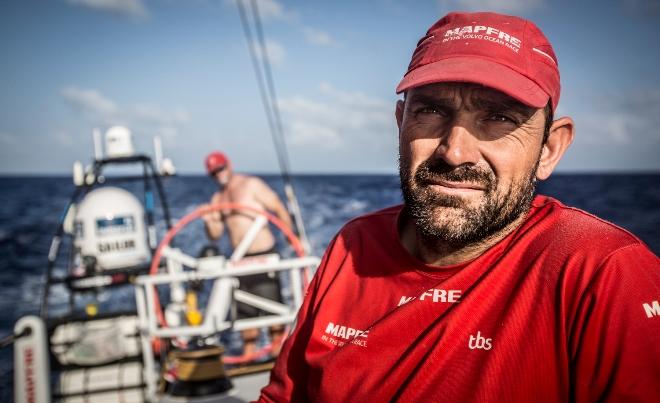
point(506, 53)
point(215, 161)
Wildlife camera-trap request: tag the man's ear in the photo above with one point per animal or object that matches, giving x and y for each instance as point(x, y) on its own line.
point(560, 137)
point(400, 105)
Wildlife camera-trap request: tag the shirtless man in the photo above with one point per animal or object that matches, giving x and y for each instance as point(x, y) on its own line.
point(253, 192)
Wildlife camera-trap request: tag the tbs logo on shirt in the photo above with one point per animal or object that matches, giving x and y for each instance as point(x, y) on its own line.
point(480, 342)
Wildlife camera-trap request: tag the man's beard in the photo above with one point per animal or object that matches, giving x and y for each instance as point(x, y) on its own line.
point(449, 218)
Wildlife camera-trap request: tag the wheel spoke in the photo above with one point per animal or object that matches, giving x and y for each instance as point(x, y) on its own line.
point(248, 238)
point(180, 257)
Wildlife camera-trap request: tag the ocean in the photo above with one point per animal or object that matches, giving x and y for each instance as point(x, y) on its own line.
point(31, 207)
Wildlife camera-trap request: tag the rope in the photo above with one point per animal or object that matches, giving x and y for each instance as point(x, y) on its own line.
point(268, 95)
point(271, 87)
point(10, 339)
point(260, 83)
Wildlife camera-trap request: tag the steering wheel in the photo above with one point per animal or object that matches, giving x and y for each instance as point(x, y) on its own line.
point(187, 260)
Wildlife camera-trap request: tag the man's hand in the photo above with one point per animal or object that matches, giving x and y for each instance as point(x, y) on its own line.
point(213, 223)
point(211, 216)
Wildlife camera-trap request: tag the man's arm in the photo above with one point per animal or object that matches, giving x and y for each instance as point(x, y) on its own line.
point(615, 339)
point(271, 201)
point(213, 222)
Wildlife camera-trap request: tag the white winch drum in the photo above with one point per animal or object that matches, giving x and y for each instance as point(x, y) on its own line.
point(110, 227)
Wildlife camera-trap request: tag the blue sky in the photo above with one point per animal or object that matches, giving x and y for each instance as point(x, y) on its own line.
point(181, 69)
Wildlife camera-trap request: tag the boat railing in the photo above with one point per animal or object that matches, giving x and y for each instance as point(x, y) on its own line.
point(217, 317)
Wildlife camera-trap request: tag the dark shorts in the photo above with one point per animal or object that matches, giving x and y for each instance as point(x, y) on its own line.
point(263, 285)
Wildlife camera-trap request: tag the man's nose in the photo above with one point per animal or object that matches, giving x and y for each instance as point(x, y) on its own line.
point(458, 145)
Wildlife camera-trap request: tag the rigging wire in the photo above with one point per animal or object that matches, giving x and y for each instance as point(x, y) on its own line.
point(269, 100)
point(271, 87)
point(260, 81)
point(11, 338)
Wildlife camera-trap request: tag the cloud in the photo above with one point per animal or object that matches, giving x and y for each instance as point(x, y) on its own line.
point(613, 129)
point(318, 37)
point(154, 114)
point(131, 8)
point(102, 111)
point(337, 120)
point(269, 10)
point(306, 131)
point(88, 101)
point(503, 6)
point(623, 118)
point(275, 52)
point(64, 138)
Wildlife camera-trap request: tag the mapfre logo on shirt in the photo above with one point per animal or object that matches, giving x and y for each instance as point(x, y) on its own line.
point(338, 335)
point(436, 295)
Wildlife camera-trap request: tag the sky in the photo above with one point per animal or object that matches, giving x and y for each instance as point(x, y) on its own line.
point(180, 69)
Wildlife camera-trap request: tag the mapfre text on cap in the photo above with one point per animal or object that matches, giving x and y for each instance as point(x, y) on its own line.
point(483, 33)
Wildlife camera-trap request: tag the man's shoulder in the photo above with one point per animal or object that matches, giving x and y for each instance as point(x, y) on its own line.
point(246, 182)
point(245, 178)
point(573, 228)
point(368, 232)
point(382, 218)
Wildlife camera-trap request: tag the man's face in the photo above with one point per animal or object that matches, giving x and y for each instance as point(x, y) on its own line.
point(223, 175)
point(467, 160)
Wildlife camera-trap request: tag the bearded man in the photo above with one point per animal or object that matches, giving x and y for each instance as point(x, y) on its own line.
point(475, 289)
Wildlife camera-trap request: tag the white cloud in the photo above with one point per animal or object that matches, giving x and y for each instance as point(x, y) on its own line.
point(269, 10)
point(131, 8)
point(597, 129)
point(626, 118)
point(318, 37)
point(154, 114)
point(304, 132)
point(64, 138)
point(275, 52)
point(502, 6)
point(89, 101)
point(102, 111)
point(341, 118)
point(355, 99)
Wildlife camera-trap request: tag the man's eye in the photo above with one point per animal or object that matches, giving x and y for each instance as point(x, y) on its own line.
point(430, 110)
point(498, 117)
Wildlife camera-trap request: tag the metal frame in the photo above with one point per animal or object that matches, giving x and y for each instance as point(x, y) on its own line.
point(216, 314)
point(93, 177)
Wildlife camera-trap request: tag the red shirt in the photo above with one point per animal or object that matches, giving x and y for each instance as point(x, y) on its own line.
point(564, 308)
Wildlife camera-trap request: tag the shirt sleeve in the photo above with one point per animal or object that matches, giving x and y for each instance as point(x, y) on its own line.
point(288, 379)
point(615, 354)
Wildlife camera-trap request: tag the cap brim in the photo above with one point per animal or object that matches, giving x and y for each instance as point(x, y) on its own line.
point(479, 71)
point(216, 170)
